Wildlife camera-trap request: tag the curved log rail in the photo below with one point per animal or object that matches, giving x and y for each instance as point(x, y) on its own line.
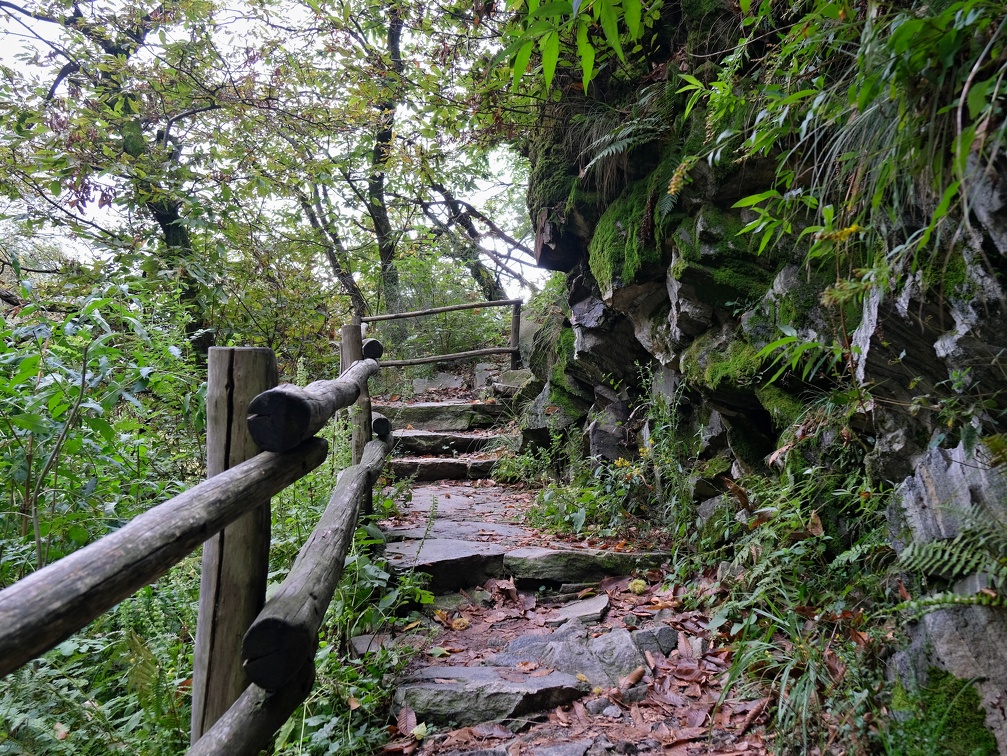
point(283, 417)
point(278, 649)
point(48, 606)
point(284, 637)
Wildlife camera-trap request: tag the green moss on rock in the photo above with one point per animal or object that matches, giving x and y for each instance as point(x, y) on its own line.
point(782, 407)
point(947, 711)
point(620, 248)
point(710, 362)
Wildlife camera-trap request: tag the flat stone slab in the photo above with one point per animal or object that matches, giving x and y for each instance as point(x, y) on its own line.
point(441, 416)
point(451, 564)
point(587, 611)
point(438, 442)
point(463, 502)
point(460, 530)
point(440, 468)
point(576, 565)
point(473, 695)
point(604, 660)
point(439, 381)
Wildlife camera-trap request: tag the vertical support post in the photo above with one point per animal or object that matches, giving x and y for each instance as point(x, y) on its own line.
point(360, 417)
point(232, 586)
point(515, 336)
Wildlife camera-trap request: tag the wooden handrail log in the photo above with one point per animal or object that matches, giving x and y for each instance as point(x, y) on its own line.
point(435, 310)
point(248, 727)
point(284, 637)
point(48, 606)
point(446, 357)
point(283, 417)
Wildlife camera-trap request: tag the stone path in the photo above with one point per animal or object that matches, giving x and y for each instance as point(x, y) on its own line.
point(535, 646)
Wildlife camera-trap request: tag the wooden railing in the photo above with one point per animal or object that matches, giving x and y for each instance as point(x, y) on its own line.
point(253, 660)
point(515, 333)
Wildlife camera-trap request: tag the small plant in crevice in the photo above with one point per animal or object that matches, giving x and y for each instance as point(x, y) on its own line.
point(536, 464)
point(602, 502)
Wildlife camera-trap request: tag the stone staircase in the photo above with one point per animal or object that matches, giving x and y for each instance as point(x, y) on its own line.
point(521, 623)
point(444, 440)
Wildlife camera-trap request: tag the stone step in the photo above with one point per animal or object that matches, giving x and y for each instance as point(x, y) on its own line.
point(443, 416)
point(454, 562)
point(415, 441)
point(440, 468)
point(451, 563)
point(472, 695)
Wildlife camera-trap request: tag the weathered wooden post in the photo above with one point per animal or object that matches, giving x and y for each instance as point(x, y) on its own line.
point(232, 587)
point(515, 335)
point(351, 351)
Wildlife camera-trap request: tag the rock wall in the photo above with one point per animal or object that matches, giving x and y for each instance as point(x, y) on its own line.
point(678, 287)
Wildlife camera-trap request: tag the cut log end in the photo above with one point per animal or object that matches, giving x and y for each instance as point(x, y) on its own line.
point(273, 651)
point(372, 349)
point(381, 426)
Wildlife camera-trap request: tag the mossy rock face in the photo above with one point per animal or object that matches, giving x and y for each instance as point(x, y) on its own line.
point(552, 411)
point(784, 408)
point(717, 264)
point(794, 300)
point(623, 247)
point(717, 358)
point(946, 710)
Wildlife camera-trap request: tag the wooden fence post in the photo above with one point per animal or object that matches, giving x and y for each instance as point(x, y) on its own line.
point(352, 350)
point(236, 561)
point(515, 336)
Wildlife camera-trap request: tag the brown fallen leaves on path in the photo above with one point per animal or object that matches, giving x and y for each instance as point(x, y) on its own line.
point(668, 706)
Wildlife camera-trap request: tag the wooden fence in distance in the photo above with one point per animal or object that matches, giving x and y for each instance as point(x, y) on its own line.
point(515, 333)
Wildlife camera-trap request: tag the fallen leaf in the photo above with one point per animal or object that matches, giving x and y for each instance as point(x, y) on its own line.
point(903, 593)
point(492, 730)
point(353, 703)
point(754, 714)
point(527, 666)
point(406, 720)
point(633, 677)
point(815, 525)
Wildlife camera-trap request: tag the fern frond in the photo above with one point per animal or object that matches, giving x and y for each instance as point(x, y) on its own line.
point(665, 205)
point(624, 138)
point(949, 598)
point(145, 677)
point(948, 559)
